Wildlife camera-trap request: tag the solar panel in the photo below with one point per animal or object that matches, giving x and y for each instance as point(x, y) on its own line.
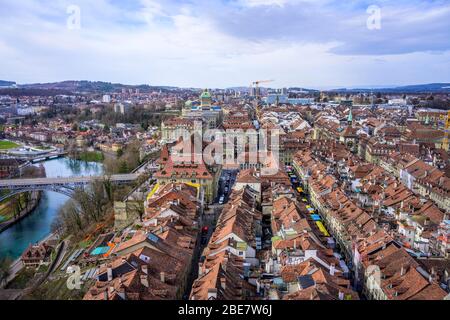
point(306, 281)
point(153, 238)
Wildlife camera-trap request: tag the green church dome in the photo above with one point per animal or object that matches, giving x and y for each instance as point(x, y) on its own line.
point(205, 95)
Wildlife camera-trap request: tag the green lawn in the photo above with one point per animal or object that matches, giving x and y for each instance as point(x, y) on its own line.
point(6, 145)
point(57, 290)
point(43, 148)
point(91, 156)
point(22, 279)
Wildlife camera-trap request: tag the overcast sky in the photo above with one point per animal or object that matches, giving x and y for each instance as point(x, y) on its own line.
point(222, 43)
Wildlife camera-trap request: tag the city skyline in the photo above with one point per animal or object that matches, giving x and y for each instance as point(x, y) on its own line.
point(320, 44)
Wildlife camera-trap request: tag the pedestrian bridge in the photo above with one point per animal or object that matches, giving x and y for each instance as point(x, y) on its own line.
point(64, 185)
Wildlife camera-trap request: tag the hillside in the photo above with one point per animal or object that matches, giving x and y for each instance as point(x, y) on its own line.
point(419, 88)
point(4, 83)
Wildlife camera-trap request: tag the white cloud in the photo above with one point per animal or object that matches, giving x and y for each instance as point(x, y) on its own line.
point(173, 43)
point(256, 3)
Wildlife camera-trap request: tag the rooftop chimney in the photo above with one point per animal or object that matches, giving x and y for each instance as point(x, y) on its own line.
point(144, 280)
point(109, 274)
point(163, 277)
point(223, 283)
point(224, 264)
point(332, 269)
point(145, 269)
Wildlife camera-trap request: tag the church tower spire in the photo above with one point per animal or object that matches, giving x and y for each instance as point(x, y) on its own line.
point(350, 118)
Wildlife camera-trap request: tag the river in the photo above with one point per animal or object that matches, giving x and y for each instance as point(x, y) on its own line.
point(37, 225)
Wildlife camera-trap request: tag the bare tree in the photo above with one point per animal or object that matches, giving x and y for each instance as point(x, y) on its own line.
point(5, 269)
point(136, 208)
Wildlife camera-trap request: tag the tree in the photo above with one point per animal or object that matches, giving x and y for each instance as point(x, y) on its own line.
point(145, 125)
point(109, 189)
point(5, 269)
point(99, 199)
point(14, 205)
point(123, 167)
point(136, 208)
point(26, 199)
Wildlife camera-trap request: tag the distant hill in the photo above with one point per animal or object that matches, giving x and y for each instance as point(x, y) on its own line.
point(303, 89)
point(419, 88)
point(432, 87)
point(19, 92)
point(108, 87)
point(92, 86)
point(4, 83)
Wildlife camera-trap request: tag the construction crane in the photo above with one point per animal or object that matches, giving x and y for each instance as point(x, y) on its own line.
point(257, 94)
point(256, 84)
point(446, 135)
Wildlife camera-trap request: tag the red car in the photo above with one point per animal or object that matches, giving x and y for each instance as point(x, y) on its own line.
point(205, 230)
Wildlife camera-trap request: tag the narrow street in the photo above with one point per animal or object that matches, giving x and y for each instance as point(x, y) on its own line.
point(208, 224)
point(304, 197)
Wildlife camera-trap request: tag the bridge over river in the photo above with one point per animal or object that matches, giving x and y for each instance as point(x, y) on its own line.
point(64, 185)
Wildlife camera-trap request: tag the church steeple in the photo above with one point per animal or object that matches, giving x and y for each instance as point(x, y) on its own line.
point(350, 118)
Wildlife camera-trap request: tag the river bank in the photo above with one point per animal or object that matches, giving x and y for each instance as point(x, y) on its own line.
point(37, 225)
point(34, 202)
point(88, 156)
point(17, 266)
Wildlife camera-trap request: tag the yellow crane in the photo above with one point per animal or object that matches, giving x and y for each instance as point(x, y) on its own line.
point(447, 129)
point(256, 84)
